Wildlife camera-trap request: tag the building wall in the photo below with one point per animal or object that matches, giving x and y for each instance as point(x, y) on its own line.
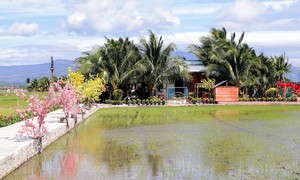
point(196, 78)
point(226, 94)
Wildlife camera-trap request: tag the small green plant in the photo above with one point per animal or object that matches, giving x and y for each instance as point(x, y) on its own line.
point(147, 102)
point(271, 92)
point(129, 102)
point(133, 102)
point(138, 101)
point(118, 94)
point(159, 102)
point(151, 102)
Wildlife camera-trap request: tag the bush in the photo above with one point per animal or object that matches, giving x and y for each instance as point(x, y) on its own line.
point(8, 120)
point(133, 102)
point(118, 94)
point(271, 92)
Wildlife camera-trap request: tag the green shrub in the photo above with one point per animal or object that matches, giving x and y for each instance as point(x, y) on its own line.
point(138, 102)
point(118, 94)
point(129, 102)
point(8, 120)
point(133, 102)
point(147, 101)
point(271, 92)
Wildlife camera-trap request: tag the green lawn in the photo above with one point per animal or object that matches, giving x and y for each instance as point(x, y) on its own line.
point(9, 102)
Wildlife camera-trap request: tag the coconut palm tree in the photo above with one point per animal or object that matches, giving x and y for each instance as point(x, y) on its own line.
point(282, 67)
point(211, 47)
point(225, 59)
point(238, 60)
point(161, 67)
point(259, 80)
point(89, 63)
point(118, 61)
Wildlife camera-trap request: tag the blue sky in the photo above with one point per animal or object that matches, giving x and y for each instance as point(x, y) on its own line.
point(31, 31)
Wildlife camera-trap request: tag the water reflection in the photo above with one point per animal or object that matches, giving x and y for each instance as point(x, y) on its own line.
point(156, 163)
point(116, 156)
point(231, 144)
point(227, 153)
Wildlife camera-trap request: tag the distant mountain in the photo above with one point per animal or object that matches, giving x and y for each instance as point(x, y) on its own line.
point(294, 75)
point(17, 75)
point(186, 55)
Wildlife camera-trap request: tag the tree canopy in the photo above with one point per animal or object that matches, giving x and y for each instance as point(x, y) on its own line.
point(231, 59)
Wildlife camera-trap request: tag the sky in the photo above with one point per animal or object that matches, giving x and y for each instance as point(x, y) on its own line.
point(31, 31)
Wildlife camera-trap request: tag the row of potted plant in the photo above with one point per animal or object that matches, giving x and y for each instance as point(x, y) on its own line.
point(269, 99)
point(203, 100)
point(138, 102)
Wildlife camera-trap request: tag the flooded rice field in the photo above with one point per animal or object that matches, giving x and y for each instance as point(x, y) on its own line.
point(211, 142)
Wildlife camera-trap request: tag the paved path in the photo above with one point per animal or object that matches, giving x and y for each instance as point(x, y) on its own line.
point(15, 150)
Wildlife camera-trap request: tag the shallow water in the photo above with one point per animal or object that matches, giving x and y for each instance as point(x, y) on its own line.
point(177, 143)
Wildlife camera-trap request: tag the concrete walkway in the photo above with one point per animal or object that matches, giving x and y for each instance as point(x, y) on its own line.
point(15, 150)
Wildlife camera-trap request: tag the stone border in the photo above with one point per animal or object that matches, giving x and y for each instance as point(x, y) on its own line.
point(15, 150)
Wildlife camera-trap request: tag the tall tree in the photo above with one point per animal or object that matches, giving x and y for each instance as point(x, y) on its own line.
point(225, 59)
point(43, 84)
point(281, 66)
point(118, 61)
point(161, 67)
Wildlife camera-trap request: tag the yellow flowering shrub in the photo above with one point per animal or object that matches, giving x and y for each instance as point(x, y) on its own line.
point(92, 89)
point(76, 80)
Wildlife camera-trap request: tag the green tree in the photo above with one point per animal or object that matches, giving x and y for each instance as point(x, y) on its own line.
point(32, 86)
point(43, 84)
point(118, 61)
point(161, 67)
point(27, 81)
point(281, 66)
point(225, 59)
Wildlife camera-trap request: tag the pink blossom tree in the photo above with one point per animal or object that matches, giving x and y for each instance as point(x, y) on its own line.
point(38, 110)
point(68, 99)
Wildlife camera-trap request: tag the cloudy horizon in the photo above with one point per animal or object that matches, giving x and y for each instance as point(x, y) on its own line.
point(32, 31)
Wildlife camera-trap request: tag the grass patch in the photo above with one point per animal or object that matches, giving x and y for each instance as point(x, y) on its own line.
point(127, 117)
point(9, 103)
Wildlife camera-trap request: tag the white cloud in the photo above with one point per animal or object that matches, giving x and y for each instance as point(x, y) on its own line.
point(279, 5)
point(118, 17)
point(13, 9)
point(256, 15)
point(289, 23)
point(192, 9)
point(244, 10)
point(273, 38)
point(23, 29)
